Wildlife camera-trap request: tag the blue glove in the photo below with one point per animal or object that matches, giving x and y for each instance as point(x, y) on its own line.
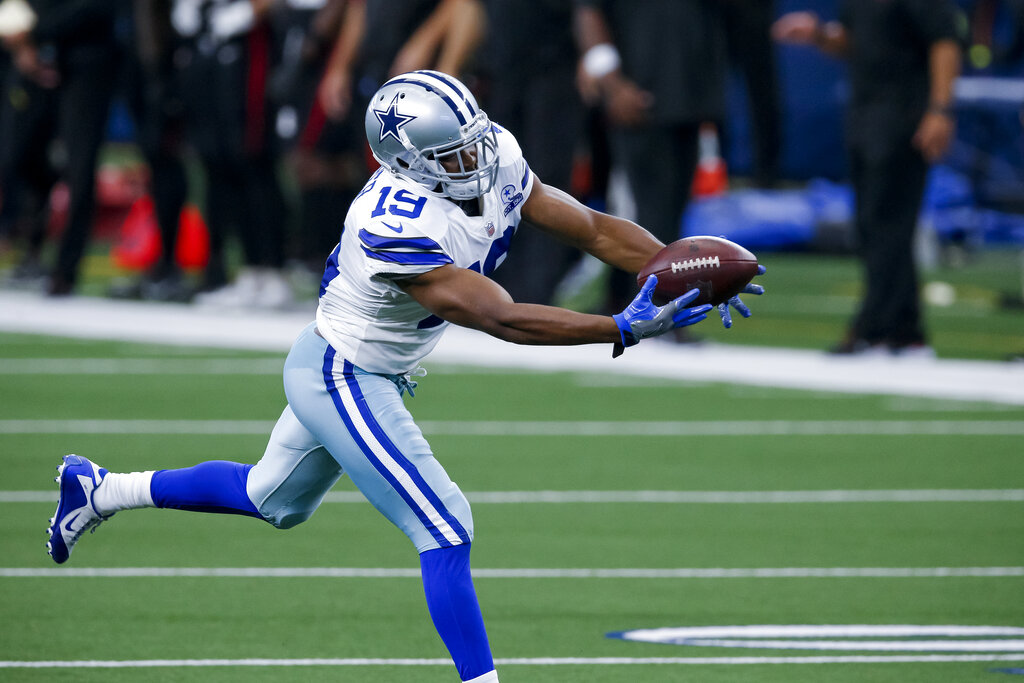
point(643, 319)
point(723, 308)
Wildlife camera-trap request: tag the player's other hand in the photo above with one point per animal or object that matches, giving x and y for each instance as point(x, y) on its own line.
point(643, 319)
point(335, 93)
point(735, 302)
point(797, 28)
point(626, 102)
point(934, 135)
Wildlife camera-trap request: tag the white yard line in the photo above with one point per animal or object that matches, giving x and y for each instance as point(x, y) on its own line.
point(141, 366)
point(972, 428)
point(520, 661)
point(485, 573)
point(665, 497)
point(84, 317)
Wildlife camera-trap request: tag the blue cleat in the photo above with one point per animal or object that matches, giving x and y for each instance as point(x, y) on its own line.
point(77, 478)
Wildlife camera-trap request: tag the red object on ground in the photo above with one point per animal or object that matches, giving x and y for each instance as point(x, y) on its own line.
point(711, 177)
point(139, 246)
point(193, 247)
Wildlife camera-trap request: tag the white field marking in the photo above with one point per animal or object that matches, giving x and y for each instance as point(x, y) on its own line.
point(164, 324)
point(867, 645)
point(484, 573)
point(684, 497)
point(911, 404)
point(900, 637)
point(141, 366)
point(555, 427)
point(184, 427)
point(520, 661)
point(823, 630)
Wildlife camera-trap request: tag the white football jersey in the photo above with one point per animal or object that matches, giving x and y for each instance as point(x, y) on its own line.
point(396, 230)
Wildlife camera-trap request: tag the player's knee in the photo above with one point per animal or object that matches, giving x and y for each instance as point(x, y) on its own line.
point(289, 518)
point(286, 516)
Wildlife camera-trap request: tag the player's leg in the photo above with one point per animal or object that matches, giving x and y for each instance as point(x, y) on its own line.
point(284, 488)
point(362, 421)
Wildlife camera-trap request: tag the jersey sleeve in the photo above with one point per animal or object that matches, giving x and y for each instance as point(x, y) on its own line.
point(514, 164)
point(399, 249)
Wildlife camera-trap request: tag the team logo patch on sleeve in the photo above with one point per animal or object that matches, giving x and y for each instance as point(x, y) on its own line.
point(511, 197)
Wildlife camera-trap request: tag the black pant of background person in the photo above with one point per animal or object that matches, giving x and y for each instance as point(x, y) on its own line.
point(546, 114)
point(28, 123)
point(660, 161)
point(244, 193)
point(230, 125)
point(157, 111)
point(748, 35)
point(888, 186)
point(83, 103)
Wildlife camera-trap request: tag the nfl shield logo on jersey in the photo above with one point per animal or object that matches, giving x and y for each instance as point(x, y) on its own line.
point(489, 228)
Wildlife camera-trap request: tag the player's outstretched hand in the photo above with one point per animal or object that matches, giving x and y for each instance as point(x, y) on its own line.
point(735, 302)
point(643, 319)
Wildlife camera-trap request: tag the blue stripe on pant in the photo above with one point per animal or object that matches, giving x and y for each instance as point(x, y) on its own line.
point(402, 461)
point(361, 420)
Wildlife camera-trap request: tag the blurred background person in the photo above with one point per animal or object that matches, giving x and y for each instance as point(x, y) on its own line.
point(324, 151)
point(224, 61)
point(397, 36)
point(62, 88)
point(27, 131)
point(748, 26)
point(903, 57)
point(530, 62)
point(149, 88)
point(659, 69)
point(382, 38)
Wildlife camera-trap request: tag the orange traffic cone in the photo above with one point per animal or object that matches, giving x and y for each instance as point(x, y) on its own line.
point(193, 247)
point(138, 247)
point(711, 177)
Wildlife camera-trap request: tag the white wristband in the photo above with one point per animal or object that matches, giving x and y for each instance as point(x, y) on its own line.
point(601, 60)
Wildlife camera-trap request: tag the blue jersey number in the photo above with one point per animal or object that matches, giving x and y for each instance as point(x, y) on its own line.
point(499, 248)
point(414, 205)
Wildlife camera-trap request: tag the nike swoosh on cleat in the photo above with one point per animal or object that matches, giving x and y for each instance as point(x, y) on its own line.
point(398, 229)
point(67, 523)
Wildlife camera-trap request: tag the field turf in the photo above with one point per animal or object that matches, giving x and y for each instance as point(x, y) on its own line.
point(164, 615)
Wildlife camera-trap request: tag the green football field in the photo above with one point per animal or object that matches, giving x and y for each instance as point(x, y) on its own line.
point(809, 509)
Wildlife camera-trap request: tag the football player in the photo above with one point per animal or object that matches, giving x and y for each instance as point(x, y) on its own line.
point(415, 252)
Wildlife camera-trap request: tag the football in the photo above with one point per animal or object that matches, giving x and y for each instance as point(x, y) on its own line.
point(717, 267)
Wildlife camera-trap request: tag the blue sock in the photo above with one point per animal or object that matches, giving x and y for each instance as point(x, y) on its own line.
point(214, 486)
point(453, 606)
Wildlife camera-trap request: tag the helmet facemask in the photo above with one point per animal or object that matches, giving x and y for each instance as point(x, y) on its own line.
point(461, 179)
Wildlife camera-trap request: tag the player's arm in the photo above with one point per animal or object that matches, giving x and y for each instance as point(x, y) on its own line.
point(467, 298)
point(614, 240)
point(335, 89)
point(465, 32)
point(937, 127)
point(444, 40)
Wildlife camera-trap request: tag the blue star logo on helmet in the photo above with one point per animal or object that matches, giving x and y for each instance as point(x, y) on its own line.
point(391, 121)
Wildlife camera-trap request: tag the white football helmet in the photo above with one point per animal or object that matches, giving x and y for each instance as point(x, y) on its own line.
point(418, 120)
